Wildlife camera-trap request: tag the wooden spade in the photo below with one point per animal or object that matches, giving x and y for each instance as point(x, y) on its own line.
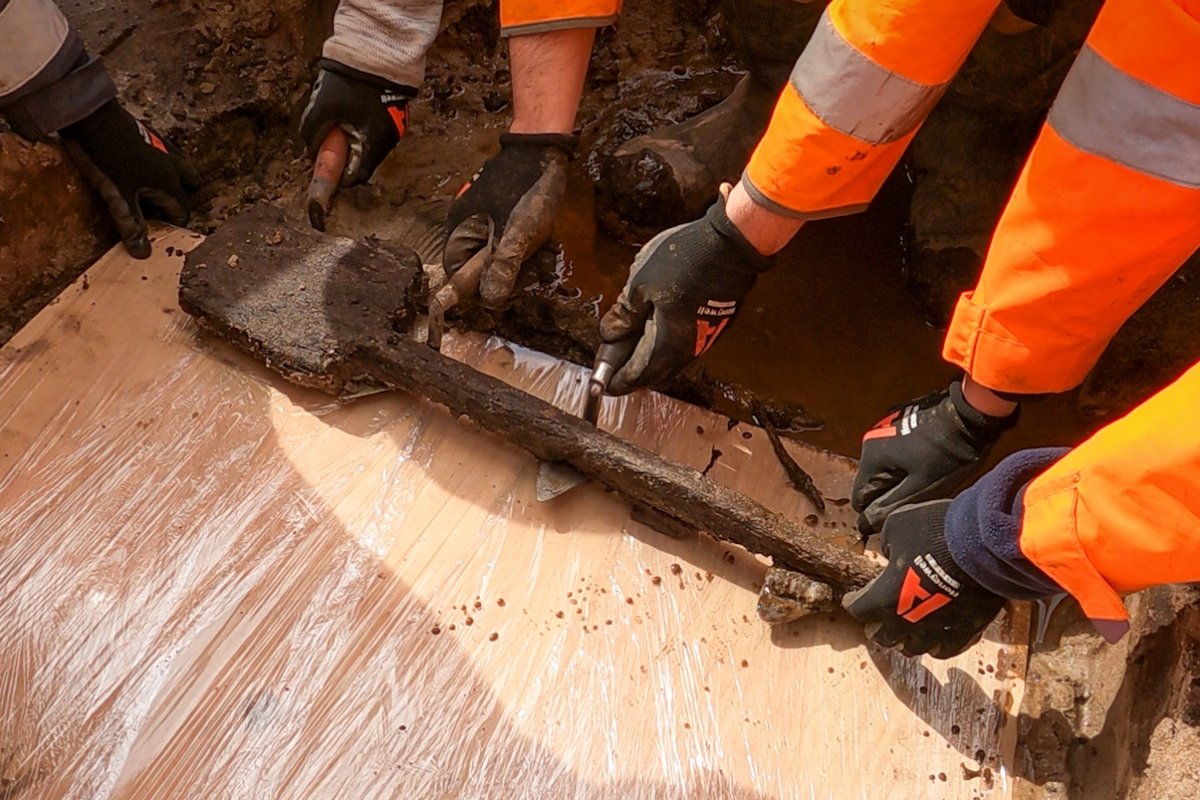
point(337, 315)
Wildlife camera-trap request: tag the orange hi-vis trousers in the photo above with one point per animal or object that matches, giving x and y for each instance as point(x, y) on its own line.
point(522, 17)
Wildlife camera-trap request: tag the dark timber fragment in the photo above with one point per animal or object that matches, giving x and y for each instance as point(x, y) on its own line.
point(329, 313)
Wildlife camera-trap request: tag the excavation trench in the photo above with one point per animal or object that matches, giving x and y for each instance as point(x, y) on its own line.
point(842, 327)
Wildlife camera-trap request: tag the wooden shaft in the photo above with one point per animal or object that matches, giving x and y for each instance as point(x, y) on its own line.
point(639, 475)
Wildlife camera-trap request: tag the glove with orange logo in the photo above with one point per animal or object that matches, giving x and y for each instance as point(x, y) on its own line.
point(513, 199)
point(129, 163)
point(923, 601)
point(685, 287)
point(371, 110)
point(923, 450)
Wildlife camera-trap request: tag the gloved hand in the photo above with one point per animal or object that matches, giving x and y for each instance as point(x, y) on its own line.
point(685, 286)
point(922, 602)
point(127, 162)
point(373, 111)
point(923, 450)
point(514, 196)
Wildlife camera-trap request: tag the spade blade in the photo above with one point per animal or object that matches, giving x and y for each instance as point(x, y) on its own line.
point(556, 477)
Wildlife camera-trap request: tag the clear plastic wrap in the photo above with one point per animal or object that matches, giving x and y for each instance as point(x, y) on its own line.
point(215, 585)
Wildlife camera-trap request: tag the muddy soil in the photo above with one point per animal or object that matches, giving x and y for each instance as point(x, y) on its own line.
point(850, 298)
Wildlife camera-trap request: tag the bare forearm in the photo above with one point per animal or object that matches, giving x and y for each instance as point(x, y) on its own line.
point(763, 228)
point(548, 71)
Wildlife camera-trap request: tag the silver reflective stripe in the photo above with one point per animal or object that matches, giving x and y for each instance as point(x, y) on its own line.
point(557, 25)
point(826, 213)
point(852, 94)
point(31, 33)
point(1106, 112)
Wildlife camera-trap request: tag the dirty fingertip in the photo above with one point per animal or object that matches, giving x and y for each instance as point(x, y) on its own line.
point(623, 382)
point(497, 285)
point(138, 246)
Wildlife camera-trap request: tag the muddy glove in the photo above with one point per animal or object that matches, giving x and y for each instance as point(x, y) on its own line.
point(373, 111)
point(514, 196)
point(923, 601)
point(127, 162)
point(685, 286)
point(923, 450)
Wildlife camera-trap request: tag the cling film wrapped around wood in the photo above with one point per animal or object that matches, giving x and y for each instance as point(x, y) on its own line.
point(215, 584)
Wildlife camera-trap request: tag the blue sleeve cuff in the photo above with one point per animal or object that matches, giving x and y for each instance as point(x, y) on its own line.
point(983, 527)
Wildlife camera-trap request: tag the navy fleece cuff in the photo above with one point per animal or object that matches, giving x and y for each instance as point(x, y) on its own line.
point(983, 527)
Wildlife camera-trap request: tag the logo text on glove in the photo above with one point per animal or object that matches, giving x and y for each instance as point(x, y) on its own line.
point(707, 332)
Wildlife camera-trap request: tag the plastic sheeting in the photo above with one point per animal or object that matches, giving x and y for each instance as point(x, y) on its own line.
point(214, 585)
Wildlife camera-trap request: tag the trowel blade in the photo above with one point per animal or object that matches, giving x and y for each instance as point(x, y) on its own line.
point(555, 478)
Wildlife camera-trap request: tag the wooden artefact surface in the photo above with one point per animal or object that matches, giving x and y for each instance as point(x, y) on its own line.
point(320, 311)
point(215, 585)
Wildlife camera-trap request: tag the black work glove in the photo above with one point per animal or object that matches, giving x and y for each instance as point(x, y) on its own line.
point(127, 162)
point(685, 286)
point(373, 111)
point(922, 450)
point(922, 601)
point(514, 197)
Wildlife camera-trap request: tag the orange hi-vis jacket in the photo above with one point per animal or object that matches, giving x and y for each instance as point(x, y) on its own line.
point(1105, 210)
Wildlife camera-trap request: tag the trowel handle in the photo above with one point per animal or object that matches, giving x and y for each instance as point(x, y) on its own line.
point(327, 174)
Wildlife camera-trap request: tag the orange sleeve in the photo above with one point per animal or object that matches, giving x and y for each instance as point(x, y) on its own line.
point(521, 17)
point(1106, 209)
point(1122, 511)
point(860, 90)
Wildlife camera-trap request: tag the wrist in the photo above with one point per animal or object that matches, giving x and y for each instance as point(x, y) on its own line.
point(986, 401)
point(766, 231)
point(368, 78)
point(566, 142)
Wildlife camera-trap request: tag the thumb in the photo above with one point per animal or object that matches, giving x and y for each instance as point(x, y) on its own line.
point(634, 374)
point(500, 274)
point(125, 213)
point(629, 318)
point(529, 226)
point(861, 603)
point(465, 240)
point(626, 318)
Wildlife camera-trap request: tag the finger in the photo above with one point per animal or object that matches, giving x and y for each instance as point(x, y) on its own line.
point(174, 209)
point(131, 227)
point(637, 372)
point(313, 125)
point(359, 159)
point(869, 487)
point(465, 240)
point(855, 605)
point(883, 635)
point(905, 493)
point(188, 177)
point(528, 228)
point(951, 648)
point(917, 646)
point(626, 319)
point(874, 516)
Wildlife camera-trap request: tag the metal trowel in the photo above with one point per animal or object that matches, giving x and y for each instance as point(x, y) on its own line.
point(556, 477)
